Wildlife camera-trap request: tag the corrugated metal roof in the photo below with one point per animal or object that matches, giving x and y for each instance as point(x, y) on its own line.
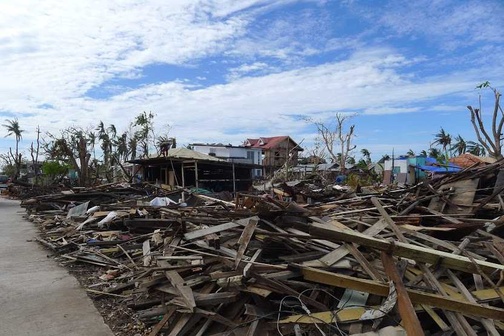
point(467, 159)
point(188, 154)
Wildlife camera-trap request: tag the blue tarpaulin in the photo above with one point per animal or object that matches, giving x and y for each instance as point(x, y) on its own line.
point(441, 170)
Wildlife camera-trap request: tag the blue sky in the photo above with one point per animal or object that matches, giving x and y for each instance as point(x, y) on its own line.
point(227, 70)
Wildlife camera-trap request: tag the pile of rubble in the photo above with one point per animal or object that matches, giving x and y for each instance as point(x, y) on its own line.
point(426, 259)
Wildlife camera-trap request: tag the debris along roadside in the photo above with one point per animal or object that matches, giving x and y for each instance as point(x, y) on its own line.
point(424, 259)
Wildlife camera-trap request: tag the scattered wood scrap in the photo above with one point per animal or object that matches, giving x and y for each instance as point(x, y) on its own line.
point(426, 259)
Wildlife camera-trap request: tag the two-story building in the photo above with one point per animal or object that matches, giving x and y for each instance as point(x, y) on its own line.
point(230, 153)
point(276, 151)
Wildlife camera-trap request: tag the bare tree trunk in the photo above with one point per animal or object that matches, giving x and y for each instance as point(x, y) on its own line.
point(338, 135)
point(34, 155)
point(490, 140)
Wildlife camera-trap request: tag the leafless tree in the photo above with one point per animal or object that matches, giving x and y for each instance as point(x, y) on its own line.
point(490, 139)
point(337, 139)
point(34, 153)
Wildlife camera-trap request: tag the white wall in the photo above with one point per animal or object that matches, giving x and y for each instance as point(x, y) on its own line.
point(240, 154)
point(401, 163)
point(231, 152)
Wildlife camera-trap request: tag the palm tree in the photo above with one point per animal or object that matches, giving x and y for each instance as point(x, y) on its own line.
point(133, 144)
point(442, 138)
point(362, 164)
point(366, 154)
point(13, 128)
point(145, 122)
point(460, 146)
point(475, 148)
point(434, 152)
point(92, 142)
point(112, 130)
point(106, 143)
point(384, 158)
point(121, 144)
point(423, 153)
point(411, 153)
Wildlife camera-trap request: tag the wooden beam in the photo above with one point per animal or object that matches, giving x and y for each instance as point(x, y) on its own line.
point(213, 229)
point(406, 310)
point(157, 328)
point(417, 253)
point(185, 292)
point(387, 218)
point(339, 253)
point(244, 240)
point(417, 297)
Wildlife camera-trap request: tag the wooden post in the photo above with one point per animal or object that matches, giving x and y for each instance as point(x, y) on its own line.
point(183, 175)
point(196, 173)
point(234, 179)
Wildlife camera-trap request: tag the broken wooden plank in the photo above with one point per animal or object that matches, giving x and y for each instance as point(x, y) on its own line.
point(417, 297)
point(405, 250)
point(213, 229)
point(244, 240)
point(185, 292)
point(406, 310)
point(157, 328)
point(147, 258)
point(342, 251)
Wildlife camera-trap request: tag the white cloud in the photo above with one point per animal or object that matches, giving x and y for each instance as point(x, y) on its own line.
point(451, 23)
point(255, 68)
point(53, 52)
point(390, 110)
point(368, 82)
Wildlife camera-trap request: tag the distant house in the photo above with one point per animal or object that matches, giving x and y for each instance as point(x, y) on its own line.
point(276, 151)
point(410, 170)
point(230, 153)
point(302, 171)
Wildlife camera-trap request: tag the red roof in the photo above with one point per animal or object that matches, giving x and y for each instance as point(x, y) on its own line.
point(269, 143)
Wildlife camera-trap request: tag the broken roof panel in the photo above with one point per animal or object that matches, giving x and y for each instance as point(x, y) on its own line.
point(185, 154)
point(467, 160)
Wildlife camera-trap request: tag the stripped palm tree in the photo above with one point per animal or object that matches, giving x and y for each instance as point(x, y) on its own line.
point(13, 128)
point(442, 138)
point(366, 154)
point(475, 148)
point(460, 146)
point(434, 153)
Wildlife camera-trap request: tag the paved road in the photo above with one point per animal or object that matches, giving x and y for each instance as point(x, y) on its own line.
point(38, 297)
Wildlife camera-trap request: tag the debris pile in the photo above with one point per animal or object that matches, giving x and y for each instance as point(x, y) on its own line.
point(425, 259)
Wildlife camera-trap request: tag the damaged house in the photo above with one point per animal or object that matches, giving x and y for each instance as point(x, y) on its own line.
point(230, 153)
point(184, 167)
point(276, 151)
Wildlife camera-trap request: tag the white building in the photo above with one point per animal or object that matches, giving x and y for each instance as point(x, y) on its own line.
point(238, 154)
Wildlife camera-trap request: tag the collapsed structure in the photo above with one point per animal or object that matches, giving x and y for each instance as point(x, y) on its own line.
point(424, 259)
